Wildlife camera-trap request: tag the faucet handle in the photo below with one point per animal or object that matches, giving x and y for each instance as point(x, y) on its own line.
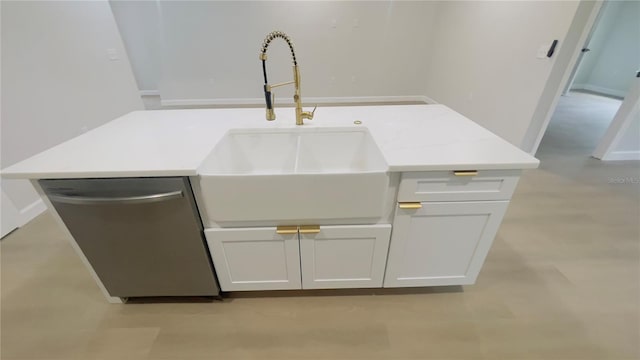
point(309, 115)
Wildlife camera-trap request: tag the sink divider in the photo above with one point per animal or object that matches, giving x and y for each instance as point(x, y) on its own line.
point(295, 165)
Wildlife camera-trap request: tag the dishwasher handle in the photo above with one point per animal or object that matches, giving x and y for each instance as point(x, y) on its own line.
point(144, 199)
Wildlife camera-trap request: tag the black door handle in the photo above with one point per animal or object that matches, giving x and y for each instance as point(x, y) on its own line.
point(584, 50)
point(552, 49)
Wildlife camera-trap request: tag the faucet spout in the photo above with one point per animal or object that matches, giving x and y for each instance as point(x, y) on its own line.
point(269, 97)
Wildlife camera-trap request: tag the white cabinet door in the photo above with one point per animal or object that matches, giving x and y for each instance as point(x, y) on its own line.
point(255, 259)
point(344, 256)
point(442, 243)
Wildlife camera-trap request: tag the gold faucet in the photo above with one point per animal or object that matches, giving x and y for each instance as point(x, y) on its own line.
point(268, 97)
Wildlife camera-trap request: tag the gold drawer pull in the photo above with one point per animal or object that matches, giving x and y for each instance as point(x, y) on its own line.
point(287, 230)
point(465, 172)
point(309, 229)
point(410, 205)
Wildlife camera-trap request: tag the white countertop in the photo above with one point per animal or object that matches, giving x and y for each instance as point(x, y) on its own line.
point(175, 142)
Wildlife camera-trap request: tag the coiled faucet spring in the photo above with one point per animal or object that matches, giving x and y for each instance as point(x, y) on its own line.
point(269, 38)
point(268, 96)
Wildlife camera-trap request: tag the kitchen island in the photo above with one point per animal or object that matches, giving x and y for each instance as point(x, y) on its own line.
point(446, 186)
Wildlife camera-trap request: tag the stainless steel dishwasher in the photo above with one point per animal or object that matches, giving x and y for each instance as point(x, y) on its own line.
point(143, 236)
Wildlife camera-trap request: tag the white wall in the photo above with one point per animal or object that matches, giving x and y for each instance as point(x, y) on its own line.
point(484, 61)
point(9, 215)
point(615, 51)
point(478, 57)
point(57, 81)
point(138, 24)
point(209, 50)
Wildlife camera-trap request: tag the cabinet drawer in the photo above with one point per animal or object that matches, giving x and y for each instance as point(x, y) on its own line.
point(457, 186)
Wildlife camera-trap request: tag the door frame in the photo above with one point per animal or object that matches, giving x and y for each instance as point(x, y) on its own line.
point(587, 41)
point(627, 112)
point(584, 21)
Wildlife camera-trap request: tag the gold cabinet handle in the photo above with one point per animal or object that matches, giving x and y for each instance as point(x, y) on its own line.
point(309, 229)
point(410, 205)
point(465, 172)
point(287, 230)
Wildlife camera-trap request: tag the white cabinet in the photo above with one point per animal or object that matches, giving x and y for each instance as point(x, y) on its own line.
point(442, 243)
point(255, 258)
point(443, 229)
point(330, 257)
point(344, 256)
point(445, 224)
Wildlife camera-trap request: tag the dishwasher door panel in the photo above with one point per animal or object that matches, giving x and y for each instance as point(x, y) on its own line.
point(143, 237)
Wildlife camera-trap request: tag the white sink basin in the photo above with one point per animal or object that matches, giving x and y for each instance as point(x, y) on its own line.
point(252, 152)
point(293, 176)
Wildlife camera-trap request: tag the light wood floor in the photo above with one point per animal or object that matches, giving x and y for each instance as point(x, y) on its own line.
point(562, 281)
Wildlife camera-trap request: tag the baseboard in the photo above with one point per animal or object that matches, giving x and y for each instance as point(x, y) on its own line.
point(599, 90)
point(308, 100)
point(428, 100)
point(149, 92)
point(29, 212)
point(622, 155)
point(369, 99)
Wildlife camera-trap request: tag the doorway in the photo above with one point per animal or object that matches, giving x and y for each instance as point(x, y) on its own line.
point(600, 80)
point(579, 121)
